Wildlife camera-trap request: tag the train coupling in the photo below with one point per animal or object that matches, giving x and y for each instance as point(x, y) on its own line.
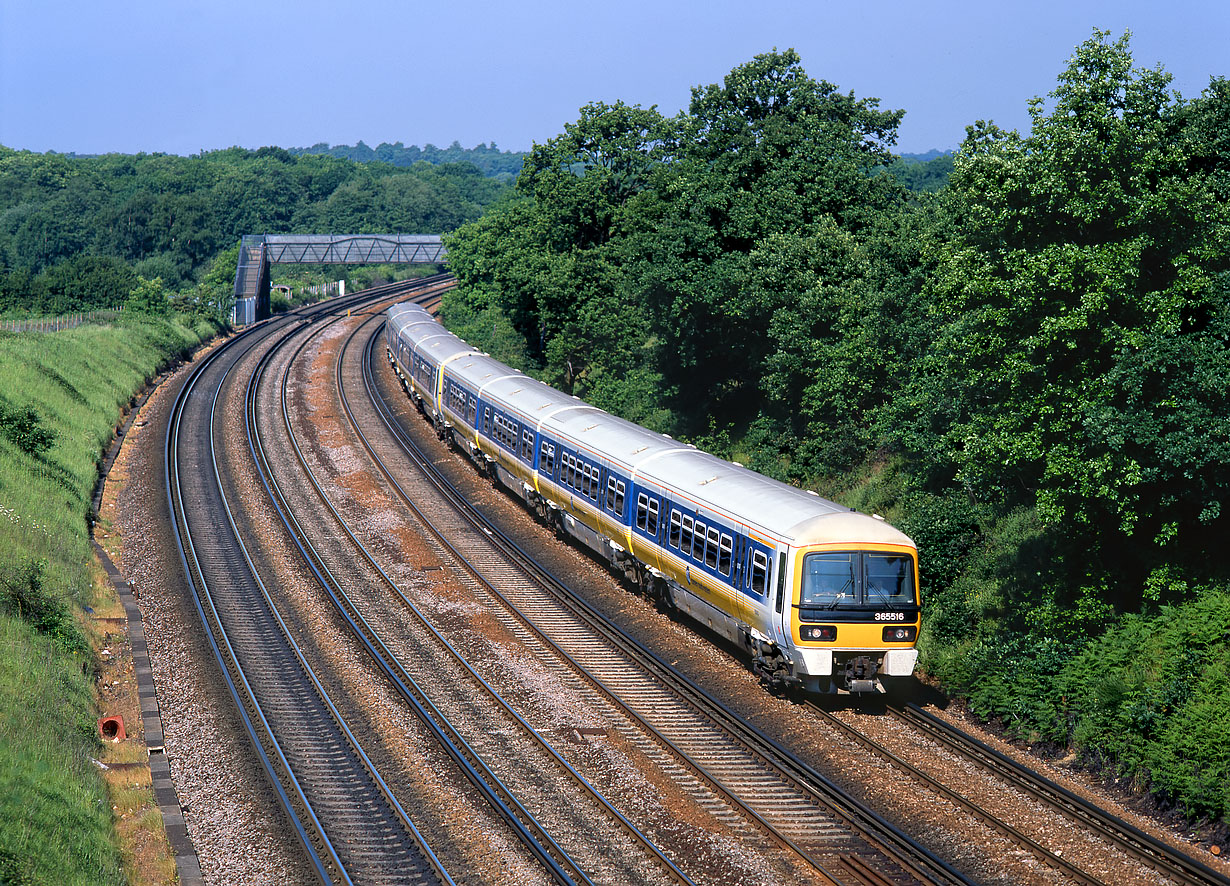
point(860, 674)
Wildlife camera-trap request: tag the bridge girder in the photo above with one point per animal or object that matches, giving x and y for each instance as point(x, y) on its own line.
point(258, 252)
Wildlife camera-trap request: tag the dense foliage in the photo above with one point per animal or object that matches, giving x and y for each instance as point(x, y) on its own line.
point(1020, 353)
point(76, 233)
point(490, 160)
point(923, 173)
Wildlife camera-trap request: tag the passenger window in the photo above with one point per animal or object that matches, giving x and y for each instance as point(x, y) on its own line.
point(642, 510)
point(651, 523)
point(610, 493)
point(676, 533)
point(619, 498)
point(585, 484)
point(725, 556)
point(685, 546)
point(711, 549)
point(760, 572)
point(594, 478)
point(698, 542)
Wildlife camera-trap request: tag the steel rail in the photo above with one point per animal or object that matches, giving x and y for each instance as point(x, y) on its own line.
point(254, 445)
point(678, 875)
point(475, 769)
point(244, 703)
point(1131, 840)
point(308, 826)
point(861, 819)
point(1046, 856)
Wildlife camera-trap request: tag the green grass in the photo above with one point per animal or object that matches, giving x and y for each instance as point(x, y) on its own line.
point(55, 822)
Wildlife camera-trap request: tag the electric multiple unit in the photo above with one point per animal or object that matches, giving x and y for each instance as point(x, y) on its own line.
point(819, 595)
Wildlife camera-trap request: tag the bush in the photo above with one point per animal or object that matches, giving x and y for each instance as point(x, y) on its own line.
point(945, 528)
point(148, 297)
point(1151, 699)
point(23, 594)
point(23, 427)
point(85, 283)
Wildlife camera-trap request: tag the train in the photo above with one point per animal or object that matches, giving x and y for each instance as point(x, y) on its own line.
point(819, 597)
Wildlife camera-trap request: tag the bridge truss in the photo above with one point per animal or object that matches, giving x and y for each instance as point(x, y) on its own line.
point(259, 252)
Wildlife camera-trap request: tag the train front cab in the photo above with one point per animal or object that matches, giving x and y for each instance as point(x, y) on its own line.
point(854, 617)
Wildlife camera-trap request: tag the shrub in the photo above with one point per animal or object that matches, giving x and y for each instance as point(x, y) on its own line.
point(1151, 699)
point(23, 427)
point(23, 593)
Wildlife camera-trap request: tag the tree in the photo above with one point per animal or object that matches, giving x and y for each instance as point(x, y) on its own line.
point(774, 179)
point(552, 261)
point(1085, 275)
point(85, 283)
point(148, 298)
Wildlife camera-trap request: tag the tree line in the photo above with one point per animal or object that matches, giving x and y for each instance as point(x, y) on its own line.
point(489, 159)
point(77, 232)
point(1025, 360)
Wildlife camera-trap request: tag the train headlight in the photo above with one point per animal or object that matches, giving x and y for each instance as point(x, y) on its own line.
point(900, 634)
point(827, 633)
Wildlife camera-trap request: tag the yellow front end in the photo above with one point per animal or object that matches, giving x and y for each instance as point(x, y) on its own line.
point(854, 614)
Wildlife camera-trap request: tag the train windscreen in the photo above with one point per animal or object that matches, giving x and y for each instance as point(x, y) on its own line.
point(838, 579)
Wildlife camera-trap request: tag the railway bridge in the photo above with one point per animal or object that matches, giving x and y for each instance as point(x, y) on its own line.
point(259, 252)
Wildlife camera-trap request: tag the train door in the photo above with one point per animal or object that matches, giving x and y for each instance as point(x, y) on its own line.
point(783, 599)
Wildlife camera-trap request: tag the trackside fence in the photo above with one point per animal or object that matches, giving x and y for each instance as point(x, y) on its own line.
point(55, 324)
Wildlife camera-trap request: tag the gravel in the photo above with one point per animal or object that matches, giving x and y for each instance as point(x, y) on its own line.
point(241, 835)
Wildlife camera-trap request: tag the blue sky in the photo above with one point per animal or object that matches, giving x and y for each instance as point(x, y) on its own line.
point(183, 75)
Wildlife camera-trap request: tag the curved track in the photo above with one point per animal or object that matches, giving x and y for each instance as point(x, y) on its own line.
point(348, 820)
point(582, 861)
point(728, 764)
point(1173, 866)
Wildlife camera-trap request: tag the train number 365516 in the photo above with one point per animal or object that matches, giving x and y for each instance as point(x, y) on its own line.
point(890, 616)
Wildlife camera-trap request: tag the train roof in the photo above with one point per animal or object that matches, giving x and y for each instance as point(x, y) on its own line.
point(413, 324)
point(782, 511)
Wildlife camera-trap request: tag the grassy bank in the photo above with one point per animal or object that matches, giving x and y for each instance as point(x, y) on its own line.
point(61, 395)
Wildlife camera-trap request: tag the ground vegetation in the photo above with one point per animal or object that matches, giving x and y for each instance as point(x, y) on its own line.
point(60, 394)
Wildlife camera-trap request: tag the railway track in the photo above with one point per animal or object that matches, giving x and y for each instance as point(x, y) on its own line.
point(729, 767)
point(348, 820)
point(1174, 866)
point(415, 671)
point(1108, 832)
